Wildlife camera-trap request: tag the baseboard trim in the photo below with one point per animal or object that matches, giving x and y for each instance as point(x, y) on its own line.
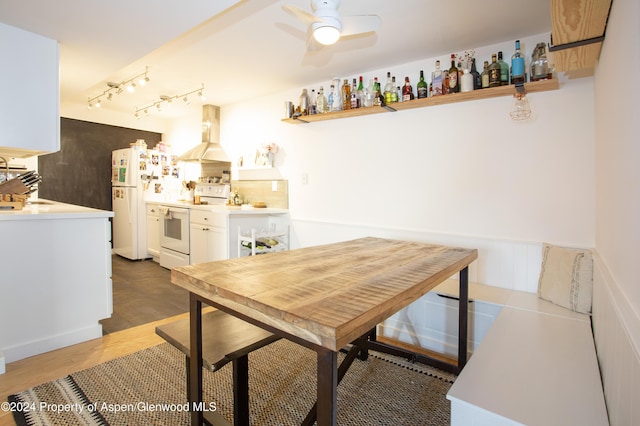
point(50, 343)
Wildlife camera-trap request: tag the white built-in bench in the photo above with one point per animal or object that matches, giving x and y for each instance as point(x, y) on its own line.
point(536, 365)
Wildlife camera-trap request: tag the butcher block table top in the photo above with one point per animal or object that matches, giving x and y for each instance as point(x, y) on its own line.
point(326, 295)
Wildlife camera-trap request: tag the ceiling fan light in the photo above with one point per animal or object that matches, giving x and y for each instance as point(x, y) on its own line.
point(326, 34)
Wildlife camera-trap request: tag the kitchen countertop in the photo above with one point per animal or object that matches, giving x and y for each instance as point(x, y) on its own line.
point(232, 210)
point(40, 209)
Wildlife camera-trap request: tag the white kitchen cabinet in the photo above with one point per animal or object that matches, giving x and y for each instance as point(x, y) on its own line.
point(208, 236)
point(153, 230)
point(29, 105)
point(56, 277)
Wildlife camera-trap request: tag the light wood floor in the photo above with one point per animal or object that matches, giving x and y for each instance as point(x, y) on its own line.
point(29, 372)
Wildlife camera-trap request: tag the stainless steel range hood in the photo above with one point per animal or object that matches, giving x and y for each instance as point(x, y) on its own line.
point(209, 150)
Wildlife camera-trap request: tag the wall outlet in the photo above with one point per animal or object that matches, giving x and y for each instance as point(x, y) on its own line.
point(2, 369)
point(274, 185)
point(305, 178)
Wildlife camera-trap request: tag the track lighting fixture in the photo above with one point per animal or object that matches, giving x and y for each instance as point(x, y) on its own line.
point(166, 101)
point(117, 88)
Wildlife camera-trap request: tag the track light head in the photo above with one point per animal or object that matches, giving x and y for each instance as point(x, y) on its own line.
point(117, 88)
point(166, 101)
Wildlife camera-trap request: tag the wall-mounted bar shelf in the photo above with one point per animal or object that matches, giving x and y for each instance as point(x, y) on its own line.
point(536, 86)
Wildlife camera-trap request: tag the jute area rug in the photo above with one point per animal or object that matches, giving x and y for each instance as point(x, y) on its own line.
point(149, 388)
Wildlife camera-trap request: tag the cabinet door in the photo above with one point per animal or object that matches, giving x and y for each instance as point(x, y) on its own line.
point(207, 244)
point(31, 61)
point(153, 235)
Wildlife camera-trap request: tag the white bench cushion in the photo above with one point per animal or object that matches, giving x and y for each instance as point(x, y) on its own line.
point(534, 369)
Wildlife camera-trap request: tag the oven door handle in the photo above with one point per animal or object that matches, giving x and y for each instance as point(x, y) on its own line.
point(166, 212)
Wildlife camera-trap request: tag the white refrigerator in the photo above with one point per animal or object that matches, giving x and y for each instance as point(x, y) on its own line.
point(130, 168)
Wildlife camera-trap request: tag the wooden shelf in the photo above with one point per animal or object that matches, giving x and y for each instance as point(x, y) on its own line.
point(537, 86)
point(578, 29)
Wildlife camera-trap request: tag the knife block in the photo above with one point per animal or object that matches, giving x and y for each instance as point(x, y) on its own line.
point(12, 201)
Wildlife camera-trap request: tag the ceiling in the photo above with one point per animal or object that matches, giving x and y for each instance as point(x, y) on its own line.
point(241, 49)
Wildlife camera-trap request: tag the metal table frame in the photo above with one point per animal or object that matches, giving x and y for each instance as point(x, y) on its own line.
point(329, 374)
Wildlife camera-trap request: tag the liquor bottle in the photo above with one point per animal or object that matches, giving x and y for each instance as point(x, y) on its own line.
point(421, 87)
point(378, 97)
point(360, 93)
point(388, 89)
point(354, 95)
point(321, 102)
point(304, 102)
point(436, 81)
point(494, 72)
point(504, 70)
point(407, 90)
point(312, 103)
point(539, 64)
point(454, 85)
point(369, 94)
point(394, 90)
point(517, 66)
point(485, 75)
point(336, 105)
point(477, 80)
point(460, 74)
point(346, 95)
point(398, 93)
point(445, 81)
point(330, 98)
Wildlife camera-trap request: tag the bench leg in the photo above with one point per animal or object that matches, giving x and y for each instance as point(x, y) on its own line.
point(186, 362)
point(241, 391)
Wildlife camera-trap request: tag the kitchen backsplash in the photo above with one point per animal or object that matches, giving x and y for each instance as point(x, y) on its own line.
point(263, 190)
point(215, 169)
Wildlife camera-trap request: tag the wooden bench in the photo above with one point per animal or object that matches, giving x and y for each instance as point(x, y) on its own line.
point(225, 339)
point(536, 365)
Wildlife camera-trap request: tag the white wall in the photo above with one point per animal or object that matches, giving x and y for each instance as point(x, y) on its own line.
point(616, 308)
point(462, 169)
point(618, 150)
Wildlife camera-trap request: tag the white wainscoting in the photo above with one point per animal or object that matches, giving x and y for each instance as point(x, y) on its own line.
point(513, 265)
point(431, 322)
point(616, 329)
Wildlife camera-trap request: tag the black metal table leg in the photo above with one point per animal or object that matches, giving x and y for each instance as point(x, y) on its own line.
point(463, 318)
point(195, 362)
point(327, 387)
point(241, 391)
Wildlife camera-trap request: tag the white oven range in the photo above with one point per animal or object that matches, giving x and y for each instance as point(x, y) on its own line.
point(174, 236)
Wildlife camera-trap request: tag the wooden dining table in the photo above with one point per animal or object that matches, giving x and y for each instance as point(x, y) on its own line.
point(325, 298)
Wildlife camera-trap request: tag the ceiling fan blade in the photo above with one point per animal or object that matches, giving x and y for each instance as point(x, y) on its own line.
point(301, 14)
point(357, 24)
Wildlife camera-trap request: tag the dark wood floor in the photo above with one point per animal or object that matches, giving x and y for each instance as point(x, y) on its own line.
point(142, 293)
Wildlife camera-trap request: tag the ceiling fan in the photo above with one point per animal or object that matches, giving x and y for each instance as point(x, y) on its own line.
point(326, 26)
